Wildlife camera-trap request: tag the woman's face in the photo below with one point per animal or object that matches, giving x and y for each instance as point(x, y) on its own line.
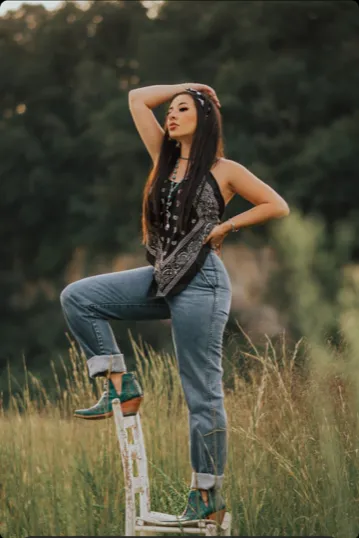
point(181, 120)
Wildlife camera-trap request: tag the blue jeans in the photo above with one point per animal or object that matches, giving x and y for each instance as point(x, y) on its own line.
point(199, 314)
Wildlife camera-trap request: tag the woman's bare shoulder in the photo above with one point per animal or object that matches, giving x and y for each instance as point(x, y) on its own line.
point(224, 168)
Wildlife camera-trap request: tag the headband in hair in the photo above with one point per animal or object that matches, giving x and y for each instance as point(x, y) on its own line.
point(199, 96)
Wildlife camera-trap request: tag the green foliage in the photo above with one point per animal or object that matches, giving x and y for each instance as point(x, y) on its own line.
point(307, 286)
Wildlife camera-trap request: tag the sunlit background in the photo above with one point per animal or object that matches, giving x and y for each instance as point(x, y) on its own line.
point(13, 5)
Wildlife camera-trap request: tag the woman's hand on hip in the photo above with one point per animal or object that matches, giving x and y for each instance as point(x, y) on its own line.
point(216, 238)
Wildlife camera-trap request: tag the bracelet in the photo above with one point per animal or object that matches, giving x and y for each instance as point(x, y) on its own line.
point(234, 229)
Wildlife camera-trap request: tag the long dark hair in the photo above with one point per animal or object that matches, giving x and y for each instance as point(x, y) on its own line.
point(207, 146)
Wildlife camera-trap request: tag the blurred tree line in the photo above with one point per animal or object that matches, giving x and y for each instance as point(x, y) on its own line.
point(73, 167)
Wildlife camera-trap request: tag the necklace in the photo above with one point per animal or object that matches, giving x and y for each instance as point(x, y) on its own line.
point(174, 185)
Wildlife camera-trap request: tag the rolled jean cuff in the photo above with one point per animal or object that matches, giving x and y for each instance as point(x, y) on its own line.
point(99, 365)
point(206, 481)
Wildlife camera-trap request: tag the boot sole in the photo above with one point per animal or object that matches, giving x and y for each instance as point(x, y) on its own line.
point(217, 517)
point(129, 409)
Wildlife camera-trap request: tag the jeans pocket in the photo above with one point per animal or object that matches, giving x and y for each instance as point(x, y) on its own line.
point(207, 279)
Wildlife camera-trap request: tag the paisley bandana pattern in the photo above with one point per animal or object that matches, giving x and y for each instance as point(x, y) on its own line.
point(173, 252)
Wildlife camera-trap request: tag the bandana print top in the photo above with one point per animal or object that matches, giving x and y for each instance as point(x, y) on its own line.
point(178, 254)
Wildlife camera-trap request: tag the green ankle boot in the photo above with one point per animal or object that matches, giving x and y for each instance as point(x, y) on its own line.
point(131, 397)
point(196, 508)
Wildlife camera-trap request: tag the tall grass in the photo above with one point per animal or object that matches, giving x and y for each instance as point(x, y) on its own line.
point(293, 432)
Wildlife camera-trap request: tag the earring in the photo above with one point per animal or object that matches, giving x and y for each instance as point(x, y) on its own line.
point(178, 144)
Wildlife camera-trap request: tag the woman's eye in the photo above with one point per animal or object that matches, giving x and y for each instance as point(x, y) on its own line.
point(180, 109)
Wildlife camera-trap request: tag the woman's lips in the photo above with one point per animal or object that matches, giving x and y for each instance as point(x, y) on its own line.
point(171, 127)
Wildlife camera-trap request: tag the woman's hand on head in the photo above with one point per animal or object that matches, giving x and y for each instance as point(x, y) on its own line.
point(205, 89)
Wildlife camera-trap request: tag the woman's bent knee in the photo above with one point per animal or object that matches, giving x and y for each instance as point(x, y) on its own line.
point(70, 294)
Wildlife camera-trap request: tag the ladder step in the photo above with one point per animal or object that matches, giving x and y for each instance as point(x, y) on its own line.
point(159, 518)
point(153, 529)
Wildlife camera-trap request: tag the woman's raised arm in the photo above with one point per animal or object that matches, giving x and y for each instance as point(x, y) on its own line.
point(141, 101)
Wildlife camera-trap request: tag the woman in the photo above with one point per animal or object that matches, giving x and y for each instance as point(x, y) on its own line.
point(184, 198)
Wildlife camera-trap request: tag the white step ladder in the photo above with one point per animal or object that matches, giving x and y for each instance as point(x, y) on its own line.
point(148, 522)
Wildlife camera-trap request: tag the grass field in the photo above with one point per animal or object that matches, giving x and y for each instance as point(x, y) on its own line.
point(292, 465)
